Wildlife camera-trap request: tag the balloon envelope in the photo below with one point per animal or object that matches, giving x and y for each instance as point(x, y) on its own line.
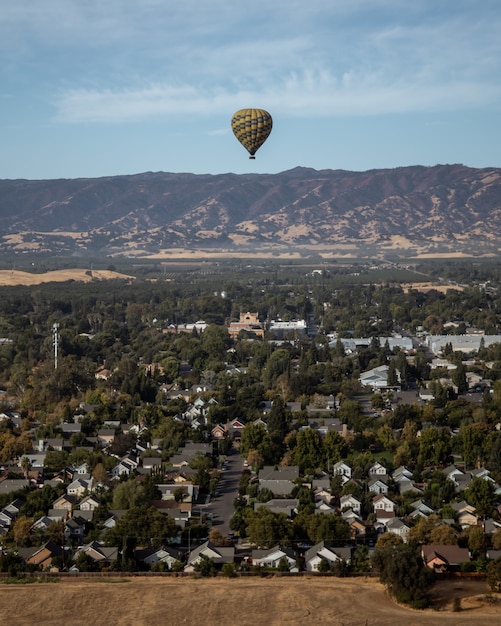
point(251, 127)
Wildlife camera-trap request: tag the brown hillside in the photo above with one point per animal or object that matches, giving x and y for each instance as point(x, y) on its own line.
point(409, 210)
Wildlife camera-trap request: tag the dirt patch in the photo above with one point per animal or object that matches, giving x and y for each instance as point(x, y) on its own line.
point(427, 286)
point(240, 602)
point(15, 277)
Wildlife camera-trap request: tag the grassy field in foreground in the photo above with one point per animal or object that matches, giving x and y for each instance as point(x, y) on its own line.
point(240, 601)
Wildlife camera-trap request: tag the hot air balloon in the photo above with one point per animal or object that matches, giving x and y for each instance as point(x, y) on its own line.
point(251, 127)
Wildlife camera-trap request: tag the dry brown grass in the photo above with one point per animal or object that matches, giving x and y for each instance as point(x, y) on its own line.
point(15, 277)
point(240, 601)
point(427, 286)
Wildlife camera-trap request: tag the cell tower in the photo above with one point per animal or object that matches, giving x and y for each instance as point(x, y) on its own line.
point(55, 342)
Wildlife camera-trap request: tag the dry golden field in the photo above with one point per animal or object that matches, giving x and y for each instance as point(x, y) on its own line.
point(16, 277)
point(240, 601)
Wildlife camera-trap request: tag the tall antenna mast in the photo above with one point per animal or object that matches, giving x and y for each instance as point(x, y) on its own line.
point(55, 342)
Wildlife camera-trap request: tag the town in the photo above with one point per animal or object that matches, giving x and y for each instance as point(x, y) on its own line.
point(227, 424)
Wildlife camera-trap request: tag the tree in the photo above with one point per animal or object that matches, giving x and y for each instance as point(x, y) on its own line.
point(278, 419)
point(283, 565)
point(205, 567)
point(327, 527)
point(496, 539)
point(481, 493)
point(443, 534)
point(142, 526)
point(228, 570)
point(266, 528)
point(387, 540)
point(252, 437)
point(335, 447)
point(21, 530)
point(458, 377)
point(434, 447)
point(360, 561)
point(402, 570)
point(255, 460)
point(128, 494)
point(25, 465)
point(392, 376)
point(324, 566)
point(494, 575)
point(308, 452)
point(477, 540)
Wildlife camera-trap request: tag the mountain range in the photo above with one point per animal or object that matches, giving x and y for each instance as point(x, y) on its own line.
point(448, 209)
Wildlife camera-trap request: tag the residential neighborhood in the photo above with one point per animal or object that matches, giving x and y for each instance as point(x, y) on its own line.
point(253, 444)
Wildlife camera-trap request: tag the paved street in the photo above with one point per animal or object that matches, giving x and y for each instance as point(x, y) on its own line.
point(221, 506)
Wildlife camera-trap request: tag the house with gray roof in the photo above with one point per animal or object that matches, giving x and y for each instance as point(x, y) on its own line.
point(324, 551)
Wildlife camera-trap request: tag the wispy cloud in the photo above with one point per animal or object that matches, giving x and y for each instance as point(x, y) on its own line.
point(314, 94)
point(131, 60)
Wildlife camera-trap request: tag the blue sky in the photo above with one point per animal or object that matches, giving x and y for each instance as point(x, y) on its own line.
point(103, 87)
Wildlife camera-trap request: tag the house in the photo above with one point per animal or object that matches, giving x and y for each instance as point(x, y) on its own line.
point(342, 469)
point(324, 507)
point(124, 467)
point(66, 502)
point(377, 469)
point(491, 526)
point(74, 529)
point(187, 492)
point(151, 556)
point(69, 429)
point(279, 480)
point(401, 473)
point(105, 437)
point(272, 557)
point(321, 489)
point(465, 514)
point(218, 555)
point(444, 558)
point(420, 509)
point(115, 515)
point(90, 503)
point(381, 502)
point(152, 463)
point(377, 378)
point(80, 471)
point(326, 424)
point(349, 501)
point(378, 484)
point(396, 526)
point(9, 485)
point(79, 487)
point(453, 474)
point(43, 523)
point(288, 506)
point(324, 551)
point(358, 528)
point(405, 485)
point(99, 553)
point(235, 427)
point(9, 513)
point(42, 556)
point(179, 511)
point(37, 459)
point(219, 431)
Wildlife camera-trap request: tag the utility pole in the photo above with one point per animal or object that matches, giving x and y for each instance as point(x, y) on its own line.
point(55, 342)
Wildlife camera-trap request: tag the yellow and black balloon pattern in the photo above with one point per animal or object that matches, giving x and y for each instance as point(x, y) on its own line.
point(251, 127)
